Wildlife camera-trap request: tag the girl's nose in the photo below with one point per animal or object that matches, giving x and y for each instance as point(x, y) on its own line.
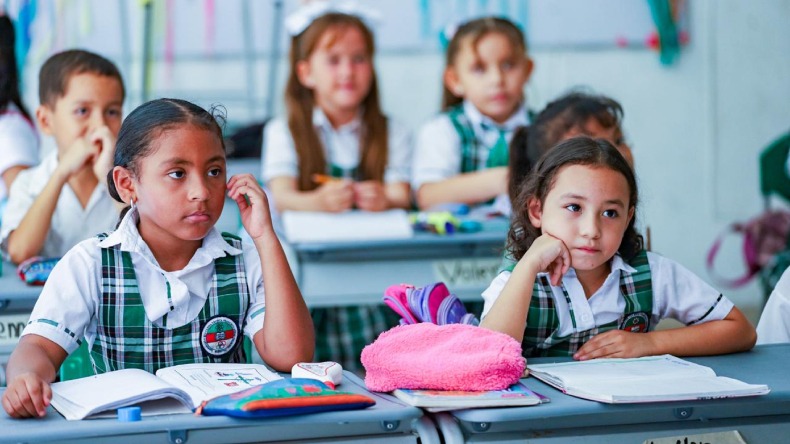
point(198, 189)
point(590, 227)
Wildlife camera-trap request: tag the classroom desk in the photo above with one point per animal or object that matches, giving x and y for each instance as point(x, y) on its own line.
point(388, 421)
point(759, 419)
point(16, 302)
point(354, 273)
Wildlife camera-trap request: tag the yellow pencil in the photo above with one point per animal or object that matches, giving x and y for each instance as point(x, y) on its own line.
point(321, 179)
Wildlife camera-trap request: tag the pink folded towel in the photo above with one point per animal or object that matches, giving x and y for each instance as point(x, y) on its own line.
point(442, 357)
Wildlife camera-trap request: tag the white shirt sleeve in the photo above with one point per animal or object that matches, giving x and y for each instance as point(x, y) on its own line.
point(682, 295)
point(64, 310)
point(20, 198)
point(437, 153)
point(19, 141)
point(399, 153)
point(774, 325)
point(257, 308)
point(491, 294)
point(279, 153)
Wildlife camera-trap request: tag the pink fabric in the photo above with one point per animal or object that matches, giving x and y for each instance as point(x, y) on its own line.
point(442, 357)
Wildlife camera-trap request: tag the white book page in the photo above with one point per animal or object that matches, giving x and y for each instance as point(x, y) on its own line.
point(206, 381)
point(78, 398)
point(704, 387)
point(309, 226)
point(596, 371)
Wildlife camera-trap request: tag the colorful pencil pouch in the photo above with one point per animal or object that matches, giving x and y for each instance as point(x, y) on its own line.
point(284, 397)
point(36, 270)
point(432, 303)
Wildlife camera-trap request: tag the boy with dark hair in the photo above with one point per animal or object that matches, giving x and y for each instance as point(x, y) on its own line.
point(63, 200)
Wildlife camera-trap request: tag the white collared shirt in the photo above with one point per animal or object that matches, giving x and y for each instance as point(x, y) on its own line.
point(341, 146)
point(19, 142)
point(774, 325)
point(677, 294)
point(70, 222)
point(437, 154)
point(70, 298)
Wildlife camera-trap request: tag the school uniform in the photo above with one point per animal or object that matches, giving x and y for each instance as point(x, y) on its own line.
point(341, 332)
point(634, 297)
point(462, 140)
point(774, 325)
point(110, 291)
point(71, 223)
point(341, 148)
point(19, 142)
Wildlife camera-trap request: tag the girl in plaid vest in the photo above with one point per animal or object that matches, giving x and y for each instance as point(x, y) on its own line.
point(165, 288)
point(583, 286)
point(462, 154)
point(336, 150)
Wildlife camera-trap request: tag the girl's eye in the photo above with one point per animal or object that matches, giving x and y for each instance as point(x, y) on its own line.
point(114, 112)
point(573, 208)
point(81, 111)
point(610, 214)
point(478, 68)
point(215, 172)
point(176, 174)
point(508, 65)
point(360, 59)
point(333, 60)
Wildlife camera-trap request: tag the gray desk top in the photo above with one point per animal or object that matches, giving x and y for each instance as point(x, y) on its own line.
point(763, 365)
point(15, 294)
point(388, 416)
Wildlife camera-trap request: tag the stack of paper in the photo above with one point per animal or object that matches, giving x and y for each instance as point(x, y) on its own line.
point(309, 226)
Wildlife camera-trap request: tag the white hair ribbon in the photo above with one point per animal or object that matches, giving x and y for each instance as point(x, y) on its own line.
point(300, 19)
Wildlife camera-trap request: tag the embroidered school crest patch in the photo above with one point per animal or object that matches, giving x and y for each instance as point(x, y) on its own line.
point(219, 336)
point(637, 322)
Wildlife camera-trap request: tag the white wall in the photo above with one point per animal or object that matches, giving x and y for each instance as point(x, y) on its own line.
point(696, 127)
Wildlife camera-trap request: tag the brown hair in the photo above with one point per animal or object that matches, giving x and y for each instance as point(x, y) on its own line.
point(571, 111)
point(582, 150)
point(53, 79)
point(299, 102)
point(475, 30)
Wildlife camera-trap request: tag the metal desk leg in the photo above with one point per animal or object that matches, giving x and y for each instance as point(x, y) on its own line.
point(426, 430)
point(449, 428)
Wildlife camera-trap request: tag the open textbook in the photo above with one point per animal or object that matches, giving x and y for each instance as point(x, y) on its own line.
point(648, 379)
point(177, 389)
point(439, 400)
point(355, 225)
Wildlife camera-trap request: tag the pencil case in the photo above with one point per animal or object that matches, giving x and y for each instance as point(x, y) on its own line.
point(283, 397)
point(36, 270)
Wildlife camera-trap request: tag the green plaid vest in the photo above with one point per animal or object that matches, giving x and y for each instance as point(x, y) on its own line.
point(125, 338)
point(470, 145)
point(541, 337)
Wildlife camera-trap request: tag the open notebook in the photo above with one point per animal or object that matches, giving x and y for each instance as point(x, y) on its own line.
point(310, 226)
point(648, 379)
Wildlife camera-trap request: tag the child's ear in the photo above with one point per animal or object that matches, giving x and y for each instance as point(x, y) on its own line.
point(452, 82)
point(305, 74)
point(630, 215)
point(44, 119)
point(534, 212)
point(124, 184)
point(529, 65)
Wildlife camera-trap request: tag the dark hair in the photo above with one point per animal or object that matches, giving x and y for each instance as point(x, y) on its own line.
point(574, 151)
point(9, 74)
point(300, 103)
point(476, 30)
point(571, 111)
point(143, 125)
point(53, 79)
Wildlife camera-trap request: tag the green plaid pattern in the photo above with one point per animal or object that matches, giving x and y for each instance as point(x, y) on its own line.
point(470, 145)
point(342, 332)
point(541, 337)
point(125, 338)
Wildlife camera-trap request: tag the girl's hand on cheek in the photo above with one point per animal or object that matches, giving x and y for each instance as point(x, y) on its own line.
point(547, 253)
point(253, 204)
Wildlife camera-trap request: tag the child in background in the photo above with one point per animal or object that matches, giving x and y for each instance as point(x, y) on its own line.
point(574, 114)
point(462, 155)
point(170, 167)
point(583, 286)
point(335, 128)
point(18, 137)
point(774, 325)
point(62, 201)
